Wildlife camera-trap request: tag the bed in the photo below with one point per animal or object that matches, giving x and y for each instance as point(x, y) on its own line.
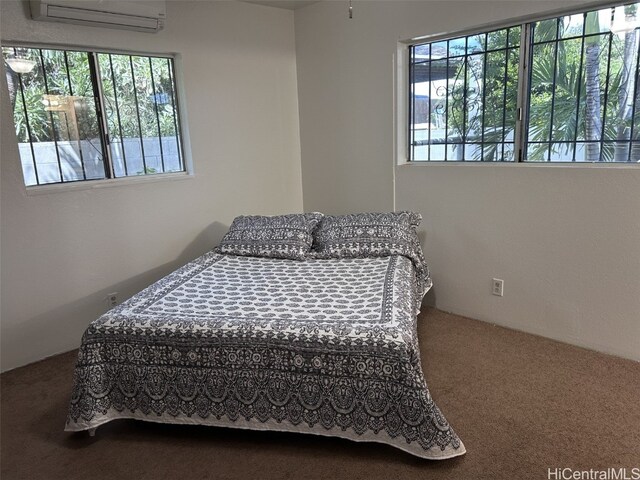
point(324, 344)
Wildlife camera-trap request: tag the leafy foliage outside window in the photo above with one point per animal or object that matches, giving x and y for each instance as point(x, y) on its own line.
point(72, 106)
point(581, 92)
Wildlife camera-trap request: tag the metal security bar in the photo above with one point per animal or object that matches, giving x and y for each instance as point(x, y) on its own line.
point(28, 126)
point(66, 64)
point(176, 118)
point(593, 120)
point(153, 86)
point(562, 89)
point(146, 140)
point(117, 109)
point(80, 114)
point(47, 107)
point(456, 114)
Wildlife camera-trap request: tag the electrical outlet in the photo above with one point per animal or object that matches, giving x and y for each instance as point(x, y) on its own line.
point(497, 287)
point(112, 299)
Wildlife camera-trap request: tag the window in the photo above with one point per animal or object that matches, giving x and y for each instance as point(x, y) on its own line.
point(563, 89)
point(90, 115)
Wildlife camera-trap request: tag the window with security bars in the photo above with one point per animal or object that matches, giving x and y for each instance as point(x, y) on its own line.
point(83, 115)
point(563, 89)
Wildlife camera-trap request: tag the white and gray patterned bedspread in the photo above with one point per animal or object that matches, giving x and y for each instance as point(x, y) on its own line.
point(327, 347)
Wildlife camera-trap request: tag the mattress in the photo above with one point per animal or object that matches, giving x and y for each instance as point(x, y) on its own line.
point(326, 347)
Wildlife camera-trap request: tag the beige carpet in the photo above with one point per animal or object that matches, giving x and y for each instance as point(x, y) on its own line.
point(521, 404)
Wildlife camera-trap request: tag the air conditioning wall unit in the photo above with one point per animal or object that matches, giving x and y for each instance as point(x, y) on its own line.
point(141, 15)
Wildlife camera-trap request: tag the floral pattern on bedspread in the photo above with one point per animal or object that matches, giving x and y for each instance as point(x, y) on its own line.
point(320, 346)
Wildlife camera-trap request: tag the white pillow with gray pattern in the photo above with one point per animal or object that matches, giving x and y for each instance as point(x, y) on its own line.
point(281, 236)
point(373, 235)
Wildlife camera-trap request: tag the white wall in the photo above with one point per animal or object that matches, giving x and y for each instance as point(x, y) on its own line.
point(63, 251)
point(564, 239)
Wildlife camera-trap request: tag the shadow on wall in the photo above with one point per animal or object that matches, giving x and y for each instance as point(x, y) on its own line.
point(60, 329)
point(429, 299)
point(202, 243)
point(205, 241)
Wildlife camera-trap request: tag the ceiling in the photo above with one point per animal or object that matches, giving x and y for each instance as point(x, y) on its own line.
point(288, 4)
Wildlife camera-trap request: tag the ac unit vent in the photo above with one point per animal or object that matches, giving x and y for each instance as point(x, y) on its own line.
point(142, 15)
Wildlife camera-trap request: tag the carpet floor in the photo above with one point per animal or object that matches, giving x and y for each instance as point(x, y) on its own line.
point(521, 404)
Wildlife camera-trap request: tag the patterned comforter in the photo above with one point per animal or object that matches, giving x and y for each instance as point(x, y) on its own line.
point(327, 347)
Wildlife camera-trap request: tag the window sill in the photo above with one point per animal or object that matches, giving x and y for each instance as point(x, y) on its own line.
point(107, 183)
point(572, 165)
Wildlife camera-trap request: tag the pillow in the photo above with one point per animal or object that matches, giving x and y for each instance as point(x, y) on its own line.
point(364, 234)
point(373, 235)
point(282, 236)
